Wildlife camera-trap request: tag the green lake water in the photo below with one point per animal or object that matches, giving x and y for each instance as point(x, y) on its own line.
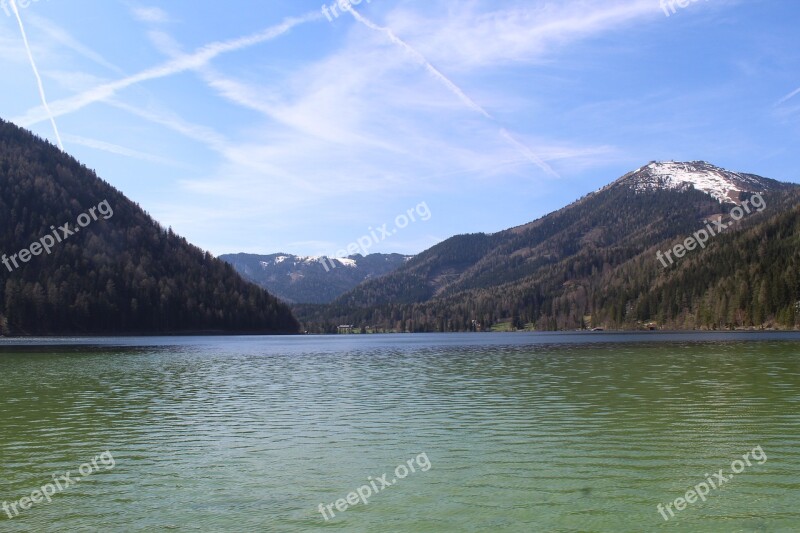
point(503, 432)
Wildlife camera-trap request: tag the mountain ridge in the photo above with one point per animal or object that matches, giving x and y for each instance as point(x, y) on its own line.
point(519, 271)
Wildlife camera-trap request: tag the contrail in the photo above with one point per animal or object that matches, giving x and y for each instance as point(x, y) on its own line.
point(528, 153)
point(452, 87)
point(36, 73)
point(424, 62)
point(187, 62)
point(788, 97)
point(120, 150)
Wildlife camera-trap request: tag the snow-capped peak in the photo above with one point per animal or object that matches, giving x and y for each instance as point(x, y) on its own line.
point(719, 183)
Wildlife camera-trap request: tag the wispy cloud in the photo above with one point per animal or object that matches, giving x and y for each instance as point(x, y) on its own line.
point(202, 134)
point(187, 62)
point(63, 38)
point(150, 14)
point(120, 150)
point(472, 36)
point(36, 73)
point(452, 87)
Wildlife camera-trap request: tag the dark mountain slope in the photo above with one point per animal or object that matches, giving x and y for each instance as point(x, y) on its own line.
point(123, 274)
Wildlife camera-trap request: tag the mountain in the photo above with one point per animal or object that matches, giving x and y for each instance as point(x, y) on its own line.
point(79, 258)
point(594, 263)
point(297, 279)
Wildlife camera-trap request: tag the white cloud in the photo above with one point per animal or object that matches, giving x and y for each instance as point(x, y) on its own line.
point(154, 15)
point(467, 37)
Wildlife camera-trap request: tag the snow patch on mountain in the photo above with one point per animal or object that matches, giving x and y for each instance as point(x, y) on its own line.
point(309, 259)
point(346, 261)
point(296, 260)
point(721, 184)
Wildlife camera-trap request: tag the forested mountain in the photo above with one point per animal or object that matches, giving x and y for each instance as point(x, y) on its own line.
point(297, 279)
point(594, 263)
point(111, 269)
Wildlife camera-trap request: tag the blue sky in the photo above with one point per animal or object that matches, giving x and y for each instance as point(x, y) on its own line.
point(266, 127)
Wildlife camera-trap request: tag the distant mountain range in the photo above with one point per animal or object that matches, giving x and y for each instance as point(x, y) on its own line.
point(297, 279)
point(106, 275)
point(594, 263)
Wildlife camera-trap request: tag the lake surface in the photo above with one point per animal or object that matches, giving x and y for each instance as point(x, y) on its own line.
point(495, 432)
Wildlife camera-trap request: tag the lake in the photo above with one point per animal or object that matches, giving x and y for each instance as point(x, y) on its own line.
point(455, 432)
